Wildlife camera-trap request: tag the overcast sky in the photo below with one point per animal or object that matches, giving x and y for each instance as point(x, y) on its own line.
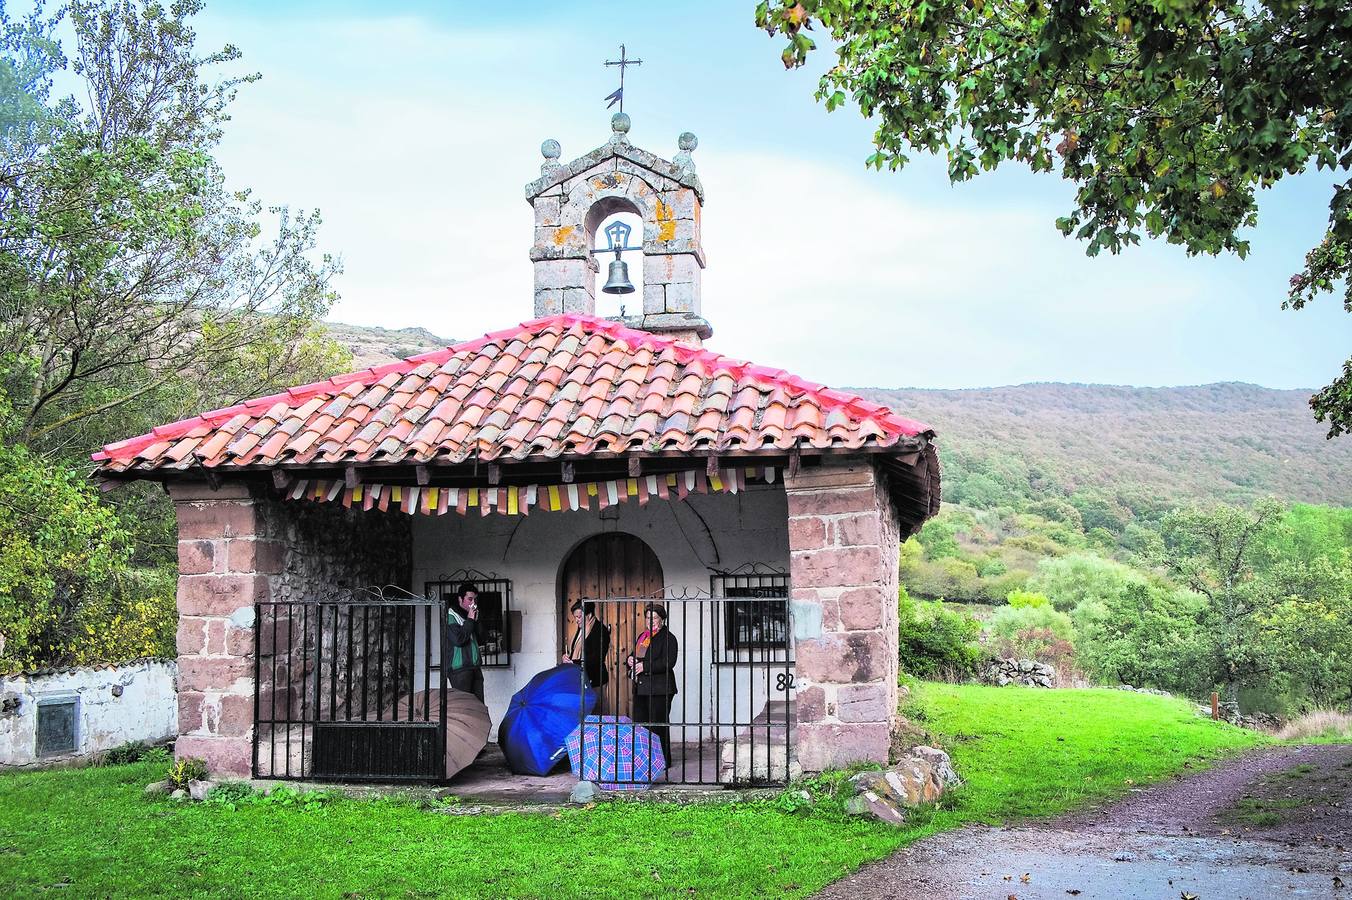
point(414, 128)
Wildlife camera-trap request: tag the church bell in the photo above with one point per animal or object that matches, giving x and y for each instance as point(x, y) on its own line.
point(618, 282)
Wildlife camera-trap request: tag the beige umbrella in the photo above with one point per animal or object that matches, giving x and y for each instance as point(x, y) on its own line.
point(467, 725)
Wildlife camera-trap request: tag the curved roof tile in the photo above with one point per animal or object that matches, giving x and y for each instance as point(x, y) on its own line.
point(564, 384)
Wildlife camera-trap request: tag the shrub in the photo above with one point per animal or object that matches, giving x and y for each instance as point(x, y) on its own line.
point(60, 551)
point(1021, 599)
point(187, 769)
point(990, 567)
point(1071, 580)
point(1008, 621)
point(130, 752)
point(1043, 645)
point(935, 640)
point(1321, 723)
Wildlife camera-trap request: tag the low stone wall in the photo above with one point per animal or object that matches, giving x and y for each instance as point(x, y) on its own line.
point(1027, 672)
point(113, 705)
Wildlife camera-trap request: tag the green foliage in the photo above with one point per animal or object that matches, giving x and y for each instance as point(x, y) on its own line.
point(1211, 551)
point(1144, 636)
point(1022, 753)
point(1275, 631)
point(187, 769)
point(937, 640)
point(135, 289)
point(1027, 599)
point(1071, 580)
point(123, 754)
point(1313, 629)
point(1009, 621)
point(68, 594)
point(1167, 118)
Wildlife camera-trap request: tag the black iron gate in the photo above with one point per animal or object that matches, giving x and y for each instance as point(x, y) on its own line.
point(350, 689)
point(731, 718)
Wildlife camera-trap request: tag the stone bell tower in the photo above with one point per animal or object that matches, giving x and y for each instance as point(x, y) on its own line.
point(571, 200)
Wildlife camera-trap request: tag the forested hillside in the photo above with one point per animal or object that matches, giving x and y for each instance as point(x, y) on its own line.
point(1233, 442)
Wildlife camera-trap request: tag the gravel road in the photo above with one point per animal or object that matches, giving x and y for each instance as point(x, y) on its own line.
point(1276, 823)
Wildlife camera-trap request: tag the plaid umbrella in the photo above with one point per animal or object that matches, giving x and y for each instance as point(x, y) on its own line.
point(615, 753)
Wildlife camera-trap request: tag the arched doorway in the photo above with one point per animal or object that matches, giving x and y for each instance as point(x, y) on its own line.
point(609, 565)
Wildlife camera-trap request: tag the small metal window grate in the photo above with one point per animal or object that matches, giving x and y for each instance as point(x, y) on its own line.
point(56, 726)
point(496, 623)
point(756, 616)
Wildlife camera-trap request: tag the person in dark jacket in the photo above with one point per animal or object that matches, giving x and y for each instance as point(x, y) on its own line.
point(654, 675)
point(590, 645)
point(462, 632)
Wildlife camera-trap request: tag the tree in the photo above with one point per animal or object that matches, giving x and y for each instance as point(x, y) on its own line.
point(68, 593)
point(132, 279)
point(1315, 625)
point(1211, 551)
point(1071, 580)
point(135, 289)
point(1144, 636)
point(1168, 117)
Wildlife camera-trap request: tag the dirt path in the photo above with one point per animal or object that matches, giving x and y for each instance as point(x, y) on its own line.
point(1277, 823)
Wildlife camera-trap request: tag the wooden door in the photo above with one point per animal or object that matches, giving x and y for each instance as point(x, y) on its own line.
point(605, 566)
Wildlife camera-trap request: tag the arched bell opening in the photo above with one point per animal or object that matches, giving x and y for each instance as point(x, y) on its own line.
point(617, 222)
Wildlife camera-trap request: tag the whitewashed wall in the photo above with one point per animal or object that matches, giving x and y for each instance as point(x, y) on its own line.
point(131, 702)
point(748, 527)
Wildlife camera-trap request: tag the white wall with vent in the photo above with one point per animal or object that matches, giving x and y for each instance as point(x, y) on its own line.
point(112, 705)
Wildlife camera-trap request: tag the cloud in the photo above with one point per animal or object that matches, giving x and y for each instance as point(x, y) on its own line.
point(839, 275)
point(416, 136)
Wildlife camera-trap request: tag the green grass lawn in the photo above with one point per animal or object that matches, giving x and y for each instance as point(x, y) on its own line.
point(90, 832)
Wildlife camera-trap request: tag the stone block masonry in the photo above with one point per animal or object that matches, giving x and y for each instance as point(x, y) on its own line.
point(843, 543)
point(218, 586)
point(572, 200)
point(238, 547)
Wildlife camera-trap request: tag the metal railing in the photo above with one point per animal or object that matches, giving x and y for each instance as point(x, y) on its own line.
point(350, 689)
point(720, 718)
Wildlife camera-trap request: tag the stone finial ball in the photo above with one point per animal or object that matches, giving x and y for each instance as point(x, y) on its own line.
point(550, 149)
point(687, 141)
point(619, 123)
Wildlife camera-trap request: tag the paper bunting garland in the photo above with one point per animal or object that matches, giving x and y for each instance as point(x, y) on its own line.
point(522, 499)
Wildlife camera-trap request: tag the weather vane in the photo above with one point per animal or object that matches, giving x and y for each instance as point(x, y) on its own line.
point(617, 96)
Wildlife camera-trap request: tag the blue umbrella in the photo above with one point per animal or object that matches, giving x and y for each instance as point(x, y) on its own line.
point(534, 732)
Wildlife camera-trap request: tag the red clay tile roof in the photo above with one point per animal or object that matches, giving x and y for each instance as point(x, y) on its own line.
point(563, 386)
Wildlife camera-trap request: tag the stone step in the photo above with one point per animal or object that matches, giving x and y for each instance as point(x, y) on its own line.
point(776, 712)
point(760, 752)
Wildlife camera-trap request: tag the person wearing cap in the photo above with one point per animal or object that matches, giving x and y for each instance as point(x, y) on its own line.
point(654, 675)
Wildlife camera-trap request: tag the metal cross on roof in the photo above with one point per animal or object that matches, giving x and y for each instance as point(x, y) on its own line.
point(617, 96)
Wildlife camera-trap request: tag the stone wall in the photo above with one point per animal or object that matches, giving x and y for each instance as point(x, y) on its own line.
point(114, 705)
point(238, 547)
point(571, 201)
point(843, 542)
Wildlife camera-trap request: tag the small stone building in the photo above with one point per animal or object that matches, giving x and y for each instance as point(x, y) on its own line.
point(567, 457)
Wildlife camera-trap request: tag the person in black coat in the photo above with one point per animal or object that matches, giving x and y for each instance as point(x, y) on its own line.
point(590, 646)
point(654, 675)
